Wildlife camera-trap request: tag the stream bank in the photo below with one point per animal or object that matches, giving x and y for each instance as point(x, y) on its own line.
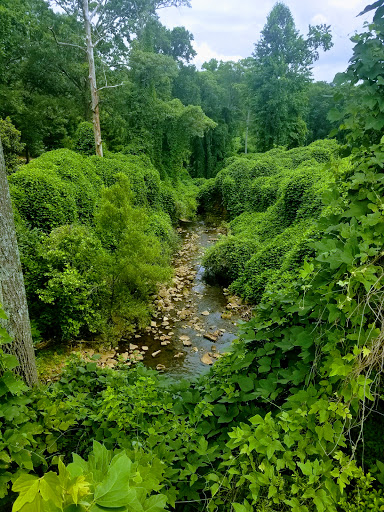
point(195, 322)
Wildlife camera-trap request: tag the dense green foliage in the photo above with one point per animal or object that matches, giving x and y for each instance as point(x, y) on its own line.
point(96, 237)
point(278, 424)
point(273, 200)
point(12, 147)
point(84, 141)
point(44, 86)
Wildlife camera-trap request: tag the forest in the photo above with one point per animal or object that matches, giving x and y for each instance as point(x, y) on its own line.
point(116, 153)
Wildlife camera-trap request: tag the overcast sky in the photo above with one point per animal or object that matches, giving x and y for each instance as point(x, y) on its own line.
point(228, 29)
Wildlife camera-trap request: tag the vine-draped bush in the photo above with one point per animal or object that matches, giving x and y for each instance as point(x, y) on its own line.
point(96, 237)
point(43, 199)
point(12, 147)
point(273, 200)
point(84, 139)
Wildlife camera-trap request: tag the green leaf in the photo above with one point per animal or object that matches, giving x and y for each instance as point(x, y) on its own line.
point(102, 457)
point(242, 508)
point(306, 468)
point(246, 383)
point(371, 7)
point(4, 336)
point(10, 361)
point(28, 488)
point(272, 491)
point(155, 503)
point(113, 491)
point(14, 384)
point(50, 488)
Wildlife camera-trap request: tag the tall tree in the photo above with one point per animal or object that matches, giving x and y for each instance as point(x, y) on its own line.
point(177, 43)
point(110, 24)
point(92, 78)
point(41, 85)
point(282, 71)
point(12, 290)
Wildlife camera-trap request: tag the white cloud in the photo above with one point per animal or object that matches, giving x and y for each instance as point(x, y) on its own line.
point(206, 53)
point(347, 4)
point(227, 30)
point(319, 19)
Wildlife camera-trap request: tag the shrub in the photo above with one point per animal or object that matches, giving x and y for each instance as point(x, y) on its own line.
point(43, 199)
point(178, 198)
point(76, 170)
point(227, 258)
point(73, 291)
point(273, 200)
point(143, 177)
point(12, 147)
point(84, 139)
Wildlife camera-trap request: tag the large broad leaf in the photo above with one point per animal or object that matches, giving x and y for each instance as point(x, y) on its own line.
point(50, 489)
point(4, 336)
point(14, 384)
point(28, 487)
point(155, 503)
point(246, 383)
point(98, 461)
point(371, 7)
point(113, 491)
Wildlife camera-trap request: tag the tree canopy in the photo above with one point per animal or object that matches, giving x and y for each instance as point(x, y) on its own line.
point(280, 76)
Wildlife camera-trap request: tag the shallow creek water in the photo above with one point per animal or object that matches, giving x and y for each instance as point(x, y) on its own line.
point(195, 322)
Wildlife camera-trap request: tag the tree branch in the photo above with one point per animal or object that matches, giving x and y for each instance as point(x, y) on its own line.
point(99, 6)
point(103, 33)
point(111, 86)
point(60, 43)
point(71, 79)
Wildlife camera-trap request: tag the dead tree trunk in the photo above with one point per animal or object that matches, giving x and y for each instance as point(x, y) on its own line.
point(92, 80)
point(12, 290)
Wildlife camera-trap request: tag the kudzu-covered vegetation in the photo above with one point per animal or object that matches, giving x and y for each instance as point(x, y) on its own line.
point(96, 239)
point(290, 419)
point(272, 201)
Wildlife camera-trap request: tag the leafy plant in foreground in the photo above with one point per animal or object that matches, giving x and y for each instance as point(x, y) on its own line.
point(107, 481)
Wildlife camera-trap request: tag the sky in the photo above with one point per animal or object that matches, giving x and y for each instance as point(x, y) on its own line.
point(228, 29)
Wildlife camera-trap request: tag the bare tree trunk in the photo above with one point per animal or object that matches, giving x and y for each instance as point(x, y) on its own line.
point(12, 290)
point(246, 131)
point(92, 80)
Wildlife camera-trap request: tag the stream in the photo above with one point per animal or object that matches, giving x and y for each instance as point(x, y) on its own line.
point(195, 322)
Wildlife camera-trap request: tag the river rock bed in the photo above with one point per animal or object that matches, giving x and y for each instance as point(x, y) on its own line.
point(194, 322)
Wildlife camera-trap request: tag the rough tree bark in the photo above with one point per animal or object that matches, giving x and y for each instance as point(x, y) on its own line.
point(12, 290)
point(92, 80)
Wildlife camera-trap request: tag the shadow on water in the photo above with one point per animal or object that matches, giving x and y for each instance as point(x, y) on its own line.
point(193, 319)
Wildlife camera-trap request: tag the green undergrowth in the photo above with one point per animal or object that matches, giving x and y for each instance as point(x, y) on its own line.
point(272, 200)
point(277, 425)
point(96, 237)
